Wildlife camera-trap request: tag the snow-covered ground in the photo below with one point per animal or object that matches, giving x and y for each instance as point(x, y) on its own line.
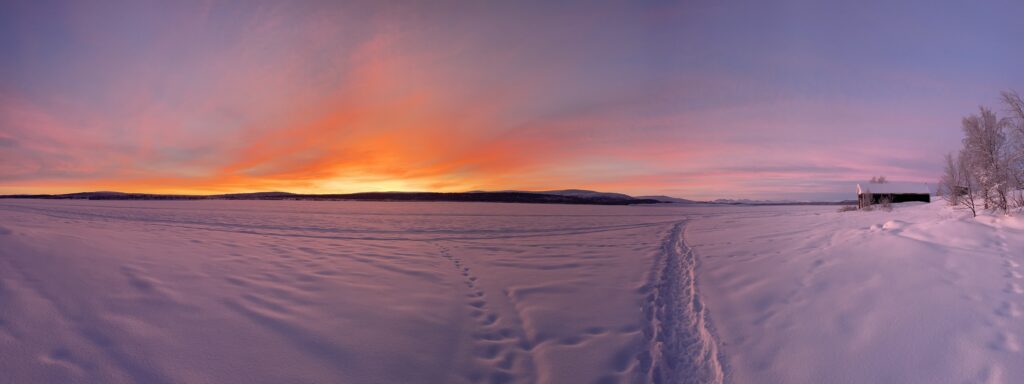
point(922, 294)
point(359, 292)
point(332, 292)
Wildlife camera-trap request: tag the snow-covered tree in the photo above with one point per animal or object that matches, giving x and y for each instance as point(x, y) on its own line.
point(987, 157)
point(951, 185)
point(957, 186)
point(1015, 108)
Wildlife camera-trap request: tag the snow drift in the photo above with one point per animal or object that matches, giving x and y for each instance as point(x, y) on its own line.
point(922, 294)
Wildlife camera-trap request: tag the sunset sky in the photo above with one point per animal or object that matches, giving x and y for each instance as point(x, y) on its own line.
point(695, 99)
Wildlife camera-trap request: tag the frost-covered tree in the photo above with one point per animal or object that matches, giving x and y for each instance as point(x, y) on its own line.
point(968, 185)
point(960, 184)
point(991, 162)
point(1015, 108)
point(957, 186)
point(986, 154)
point(951, 184)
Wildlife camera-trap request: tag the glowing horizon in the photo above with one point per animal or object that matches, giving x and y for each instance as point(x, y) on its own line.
point(696, 100)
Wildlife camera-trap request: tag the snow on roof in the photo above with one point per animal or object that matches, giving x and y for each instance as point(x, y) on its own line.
point(893, 187)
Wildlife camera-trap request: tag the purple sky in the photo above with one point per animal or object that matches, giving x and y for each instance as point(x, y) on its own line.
point(788, 100)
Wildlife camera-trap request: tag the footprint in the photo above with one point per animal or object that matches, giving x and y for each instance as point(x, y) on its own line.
point(1008, 309)
point(1007, 341)
point(491, 336)
point(497, 346)
point(595, 330)
point(508, 361)
point(1014, 288)
point(62, 357)
point(490, 319)
point(489, 351)
point(138, 281)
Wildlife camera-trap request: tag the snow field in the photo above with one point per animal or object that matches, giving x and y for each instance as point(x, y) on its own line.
point(325, 292)
point(922, 294)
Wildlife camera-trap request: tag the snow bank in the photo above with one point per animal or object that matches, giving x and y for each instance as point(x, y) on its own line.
point(922, 294)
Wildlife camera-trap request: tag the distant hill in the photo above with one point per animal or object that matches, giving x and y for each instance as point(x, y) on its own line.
point(668, 199)
point(570, 197)
point(86, 195)
point(254, 196)
point(586, 194)
point(502, 197)
point(108, 195)
point(567, 192)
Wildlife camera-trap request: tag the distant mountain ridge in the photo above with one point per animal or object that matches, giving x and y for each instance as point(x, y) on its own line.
point(550, 197)
point(569, 192)
point(588, 194)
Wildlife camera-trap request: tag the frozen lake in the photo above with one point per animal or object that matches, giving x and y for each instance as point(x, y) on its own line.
point(359, 292)
point(303, 291)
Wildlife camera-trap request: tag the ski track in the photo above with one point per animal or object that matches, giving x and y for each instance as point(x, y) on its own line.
point(680, 345)
point(436, 296)
point(1009, 310)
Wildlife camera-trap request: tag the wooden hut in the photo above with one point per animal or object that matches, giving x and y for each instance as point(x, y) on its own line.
point(893, 192)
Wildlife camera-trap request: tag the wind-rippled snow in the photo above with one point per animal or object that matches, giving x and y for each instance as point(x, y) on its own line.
point(359, 292)
point(327, 292)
